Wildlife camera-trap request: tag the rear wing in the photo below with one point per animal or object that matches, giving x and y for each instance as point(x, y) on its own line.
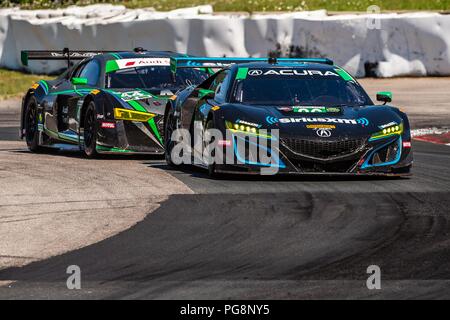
point(64, 54)
point(187, 62)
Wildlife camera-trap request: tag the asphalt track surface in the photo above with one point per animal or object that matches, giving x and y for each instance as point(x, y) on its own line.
point(278, 238)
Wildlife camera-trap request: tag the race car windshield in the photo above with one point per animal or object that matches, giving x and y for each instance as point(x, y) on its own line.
point(291, 87)
point(154, 77)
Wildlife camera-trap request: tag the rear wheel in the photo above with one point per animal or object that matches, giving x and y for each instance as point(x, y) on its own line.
point(90, 131)
point(31, 125)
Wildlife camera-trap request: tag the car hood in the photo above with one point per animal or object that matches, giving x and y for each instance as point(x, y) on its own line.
point(343, 121)
point(151, 100)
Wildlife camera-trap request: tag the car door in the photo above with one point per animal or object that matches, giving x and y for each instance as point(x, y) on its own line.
point(84, 78)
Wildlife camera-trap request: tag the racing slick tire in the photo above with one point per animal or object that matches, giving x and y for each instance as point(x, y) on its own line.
point(90, 131)
point(169, 128)
point(31, 125)
point(208, 140)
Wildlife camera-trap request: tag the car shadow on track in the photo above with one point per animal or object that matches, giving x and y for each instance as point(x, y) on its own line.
point(80, 155)
point(158, 162)
point(196, 172)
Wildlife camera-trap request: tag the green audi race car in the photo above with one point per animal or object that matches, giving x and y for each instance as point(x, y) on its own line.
point(107, 102)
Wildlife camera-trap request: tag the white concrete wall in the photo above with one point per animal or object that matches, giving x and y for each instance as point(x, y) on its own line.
point(405, 44)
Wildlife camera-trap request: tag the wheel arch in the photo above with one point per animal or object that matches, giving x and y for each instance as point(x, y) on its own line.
point(25, 99)
point(87, 100)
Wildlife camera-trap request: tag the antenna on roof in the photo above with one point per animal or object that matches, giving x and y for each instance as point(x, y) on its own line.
point(273, 60)
point(139, 49)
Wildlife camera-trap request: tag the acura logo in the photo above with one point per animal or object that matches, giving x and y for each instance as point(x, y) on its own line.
point(255, 72)
point(324, 133)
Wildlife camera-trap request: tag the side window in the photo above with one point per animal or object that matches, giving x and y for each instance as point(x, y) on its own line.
point(216, 84)
point(221, 89)
point(91, 71)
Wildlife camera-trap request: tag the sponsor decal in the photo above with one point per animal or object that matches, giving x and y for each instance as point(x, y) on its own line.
point(252, 124)
point(35, 86)
point(310, 109)
point(390, 124)
point(141, 62)
point(255, 72)
point(361, 121)
point(321, 126)
point(134, 95)
point(324, 133)
point(95, 91)
point(406, 144)
point(108, 125)
point(322, 120)
point(291, 72)
point(285, 109)
point(215, 108)
point(74, 54)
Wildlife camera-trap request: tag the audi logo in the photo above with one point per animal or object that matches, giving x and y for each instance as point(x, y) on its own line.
point(324, 133)
point(255, 72)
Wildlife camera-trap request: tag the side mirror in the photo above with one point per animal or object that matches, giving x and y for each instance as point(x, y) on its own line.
point(206, 94)
point(384, 96)
point(79, 81)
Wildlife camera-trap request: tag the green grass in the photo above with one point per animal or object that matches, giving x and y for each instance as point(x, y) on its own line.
point(14, 83)
point(251, 5)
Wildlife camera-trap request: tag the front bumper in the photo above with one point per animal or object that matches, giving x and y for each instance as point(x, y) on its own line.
point(131, 137)
point(387, 157)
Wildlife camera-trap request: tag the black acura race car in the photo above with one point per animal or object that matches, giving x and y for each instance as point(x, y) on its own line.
point(326, 123)
point(109, 102)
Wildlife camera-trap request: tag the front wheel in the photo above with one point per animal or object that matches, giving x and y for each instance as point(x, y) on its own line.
point(169, 128)
point(90, 131)
point(209, 139)
point(31, 126)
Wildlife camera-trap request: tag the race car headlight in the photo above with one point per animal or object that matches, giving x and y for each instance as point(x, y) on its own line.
point(241, 127)
point(131, 115)
point(387, 132)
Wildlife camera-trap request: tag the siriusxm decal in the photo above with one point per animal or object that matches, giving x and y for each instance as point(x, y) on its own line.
point(290, 72)
point(361, 121)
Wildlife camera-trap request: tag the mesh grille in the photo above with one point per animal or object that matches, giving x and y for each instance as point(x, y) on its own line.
point(323, 149)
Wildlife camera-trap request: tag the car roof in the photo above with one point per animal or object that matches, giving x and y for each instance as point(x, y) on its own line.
point(267, 65)
point(142, 54)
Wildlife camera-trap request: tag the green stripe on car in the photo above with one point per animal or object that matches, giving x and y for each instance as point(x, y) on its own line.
point(344, 74)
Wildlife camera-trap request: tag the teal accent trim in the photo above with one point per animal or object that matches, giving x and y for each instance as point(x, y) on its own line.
point(116, 55)
point(279, 163)
point(221, 62)
point(396, 160)
point(63, 136)
point(44, 85)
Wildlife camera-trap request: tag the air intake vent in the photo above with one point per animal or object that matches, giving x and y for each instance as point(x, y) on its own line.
point(323, 149)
